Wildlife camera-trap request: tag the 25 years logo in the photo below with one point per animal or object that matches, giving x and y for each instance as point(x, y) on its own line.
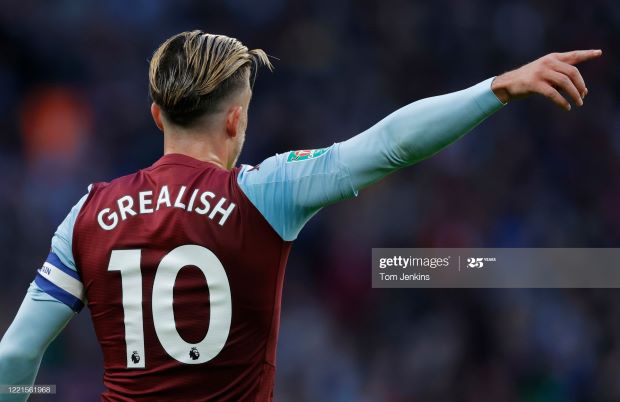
point(478, 262)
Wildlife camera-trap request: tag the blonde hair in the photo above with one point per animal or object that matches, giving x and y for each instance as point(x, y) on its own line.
point(191, 72)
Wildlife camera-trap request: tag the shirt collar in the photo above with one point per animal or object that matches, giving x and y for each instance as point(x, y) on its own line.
point(181, 159)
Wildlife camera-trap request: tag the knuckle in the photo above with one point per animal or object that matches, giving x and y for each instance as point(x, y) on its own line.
point(566, 82)
point(576, 75)
point(541, 71)
point(548, 92)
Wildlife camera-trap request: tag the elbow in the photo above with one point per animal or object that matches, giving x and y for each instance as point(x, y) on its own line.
point(398, 139)
point(398, 150)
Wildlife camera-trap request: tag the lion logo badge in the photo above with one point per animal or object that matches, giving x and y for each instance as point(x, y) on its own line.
point(194, 354)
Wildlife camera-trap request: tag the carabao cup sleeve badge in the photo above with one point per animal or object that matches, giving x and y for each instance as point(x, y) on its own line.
point(305, 154)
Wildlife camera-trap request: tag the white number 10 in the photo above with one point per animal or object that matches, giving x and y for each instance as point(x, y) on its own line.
point(128, 263)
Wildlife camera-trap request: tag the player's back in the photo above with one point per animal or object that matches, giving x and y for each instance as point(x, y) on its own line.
point(183, 278)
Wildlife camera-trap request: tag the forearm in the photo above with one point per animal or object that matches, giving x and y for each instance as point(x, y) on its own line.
point(415, 132)
point(38, 321)
point(17, 368)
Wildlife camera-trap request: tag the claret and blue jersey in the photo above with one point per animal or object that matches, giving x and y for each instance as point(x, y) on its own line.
point(181, 264)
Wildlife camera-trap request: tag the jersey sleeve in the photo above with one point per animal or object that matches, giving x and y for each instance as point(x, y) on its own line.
point(417, 131)
point(58, 278)
point(288, 189)
point(39, 320)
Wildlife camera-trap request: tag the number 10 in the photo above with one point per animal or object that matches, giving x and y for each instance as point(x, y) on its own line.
point(128, 263)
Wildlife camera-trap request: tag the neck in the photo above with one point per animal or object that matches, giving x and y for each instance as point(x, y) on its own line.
point(203, 146)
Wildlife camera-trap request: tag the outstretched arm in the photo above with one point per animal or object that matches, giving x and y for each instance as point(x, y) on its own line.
point(415, 132)
point(290, 188)
point(37, 323)
point(423, 128)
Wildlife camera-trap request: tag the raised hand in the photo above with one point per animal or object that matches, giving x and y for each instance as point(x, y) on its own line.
point(548, 76)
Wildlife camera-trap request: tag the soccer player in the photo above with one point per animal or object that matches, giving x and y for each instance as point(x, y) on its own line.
point(181, 264)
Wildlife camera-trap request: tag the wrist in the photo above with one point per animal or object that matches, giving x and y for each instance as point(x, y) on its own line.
point(499, 87)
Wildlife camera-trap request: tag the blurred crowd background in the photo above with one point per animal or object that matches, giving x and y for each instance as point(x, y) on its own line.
point(74, 109)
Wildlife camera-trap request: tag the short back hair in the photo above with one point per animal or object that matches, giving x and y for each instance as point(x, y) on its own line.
point(192, 72)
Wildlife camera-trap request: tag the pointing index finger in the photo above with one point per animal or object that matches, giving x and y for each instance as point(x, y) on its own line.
point(579, 56)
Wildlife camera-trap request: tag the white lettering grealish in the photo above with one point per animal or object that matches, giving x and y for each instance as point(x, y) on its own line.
point(109, 218)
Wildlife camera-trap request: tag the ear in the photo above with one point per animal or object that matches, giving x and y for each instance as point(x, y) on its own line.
point(156, 113)
point(232, 120)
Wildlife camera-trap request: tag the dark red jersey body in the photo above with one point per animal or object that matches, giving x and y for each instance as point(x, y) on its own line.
point(183, 278)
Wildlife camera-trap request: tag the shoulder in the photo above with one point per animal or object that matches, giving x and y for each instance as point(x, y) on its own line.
point(114, 183)
point(62, 241)
point(103, 189)
point(289, 166)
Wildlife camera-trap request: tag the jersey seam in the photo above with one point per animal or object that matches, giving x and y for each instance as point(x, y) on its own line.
point(275, 295)
point(244, 195)
point(292, 180)
point(91, 194)
point(172, 164)
point(347, 177)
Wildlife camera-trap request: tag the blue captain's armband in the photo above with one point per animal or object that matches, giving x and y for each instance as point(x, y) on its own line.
point(61, 282)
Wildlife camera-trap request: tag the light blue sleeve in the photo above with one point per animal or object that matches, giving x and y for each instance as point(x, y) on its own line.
point(37, 323)
point(416, 132)
point(58, 277)
point(288, 189)
point(62, 242)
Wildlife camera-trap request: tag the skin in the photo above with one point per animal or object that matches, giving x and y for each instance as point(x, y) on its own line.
point(547, 76)
point(218, 138)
